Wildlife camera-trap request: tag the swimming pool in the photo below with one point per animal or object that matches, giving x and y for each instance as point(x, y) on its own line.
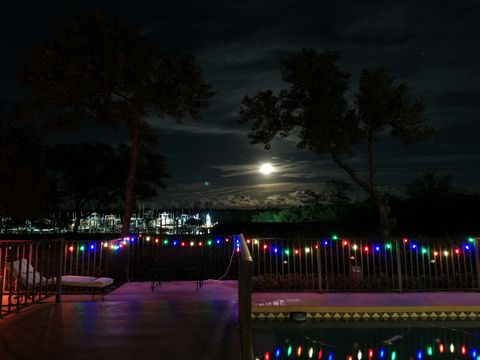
point(366, 340)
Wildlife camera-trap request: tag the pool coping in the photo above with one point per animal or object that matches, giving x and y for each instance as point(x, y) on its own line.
point(368, 314)
point(367, 307)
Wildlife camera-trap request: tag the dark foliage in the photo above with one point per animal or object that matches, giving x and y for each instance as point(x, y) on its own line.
point(315, 106)
point(101, 69)
point(25, 191)
point(94, 174)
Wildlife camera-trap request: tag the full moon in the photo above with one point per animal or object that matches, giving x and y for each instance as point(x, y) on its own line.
point(266, 168)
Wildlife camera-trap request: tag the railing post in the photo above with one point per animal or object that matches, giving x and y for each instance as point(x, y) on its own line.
point(58, 294)
point(399, 266)
point(477, 261)
point(2, 277)
point(319, 268)
point(245, 299)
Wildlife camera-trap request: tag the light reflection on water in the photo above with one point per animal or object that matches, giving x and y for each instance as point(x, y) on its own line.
point(367, 340)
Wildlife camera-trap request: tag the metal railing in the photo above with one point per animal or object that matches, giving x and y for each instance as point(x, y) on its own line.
point(31, 270)
point(86, 258)
point(212, 253)
point(364, 264)
point(28, 272)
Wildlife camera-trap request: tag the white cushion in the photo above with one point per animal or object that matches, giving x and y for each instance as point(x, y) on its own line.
point(86, 281)
point(34, 277)
point(20, 269)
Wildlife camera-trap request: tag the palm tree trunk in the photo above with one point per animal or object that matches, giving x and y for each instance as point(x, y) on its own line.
point(130, 183)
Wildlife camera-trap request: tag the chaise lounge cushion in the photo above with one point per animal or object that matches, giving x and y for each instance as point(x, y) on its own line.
point(86, 281)
point(22, 270)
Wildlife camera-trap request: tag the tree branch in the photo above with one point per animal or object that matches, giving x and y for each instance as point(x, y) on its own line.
point(353, 175)
point(371, 162)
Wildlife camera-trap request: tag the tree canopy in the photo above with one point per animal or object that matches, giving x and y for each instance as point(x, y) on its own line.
point(316, 107)
point(430, 185)
point(106, 70)
point(94, 174)
point(24, 185)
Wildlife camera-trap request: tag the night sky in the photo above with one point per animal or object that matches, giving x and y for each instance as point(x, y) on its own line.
point(433, 46)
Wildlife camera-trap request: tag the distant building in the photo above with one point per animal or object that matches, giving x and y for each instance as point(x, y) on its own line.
point(149, 223)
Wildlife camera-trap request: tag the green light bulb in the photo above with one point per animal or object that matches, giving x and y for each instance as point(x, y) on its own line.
point(424, 251)
point(82, 248)
point(388, 246)
point(209, 242)
point(289, 350)
point(471, 239)
point(429, 351)
point(287, 252)
point(165, 242)
point(394, 355)
point(334, 237)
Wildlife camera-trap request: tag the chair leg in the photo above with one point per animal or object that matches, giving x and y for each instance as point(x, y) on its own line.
point(93, 296)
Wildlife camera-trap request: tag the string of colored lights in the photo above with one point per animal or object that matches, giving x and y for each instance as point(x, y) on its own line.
point(383, 353)
point(412, 245)
point(270, 246)
point(119, 243)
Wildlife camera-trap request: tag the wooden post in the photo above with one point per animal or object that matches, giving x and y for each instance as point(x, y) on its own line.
point(245, 299)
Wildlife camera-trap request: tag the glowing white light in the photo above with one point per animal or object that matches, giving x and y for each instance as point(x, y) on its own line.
point(266, 168)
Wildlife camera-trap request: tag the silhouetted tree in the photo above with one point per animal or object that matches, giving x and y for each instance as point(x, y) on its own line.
point(316, 105)
point(81, 173)
point(24, 185)
point(336, 192)
point(435, 206)
point(430, 185)
point(106, 70)
point(87, 173)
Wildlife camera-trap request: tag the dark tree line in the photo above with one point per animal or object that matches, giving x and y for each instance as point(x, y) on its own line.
point(37, 179)
point(95, 174)
point(430, 205)
point(24, 185)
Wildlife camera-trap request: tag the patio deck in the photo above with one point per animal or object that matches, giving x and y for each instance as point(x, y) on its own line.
point(176, 322)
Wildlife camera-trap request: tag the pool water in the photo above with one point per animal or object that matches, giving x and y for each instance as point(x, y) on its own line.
point(367, 340)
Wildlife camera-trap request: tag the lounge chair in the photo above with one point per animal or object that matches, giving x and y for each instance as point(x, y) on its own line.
point(31, 279)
